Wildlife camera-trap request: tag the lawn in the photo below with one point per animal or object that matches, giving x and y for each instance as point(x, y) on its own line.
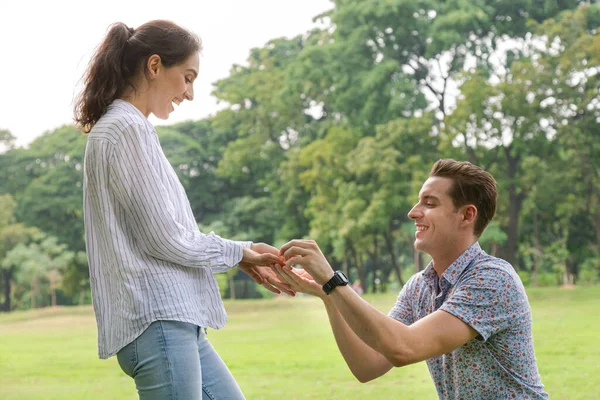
point(283, 348)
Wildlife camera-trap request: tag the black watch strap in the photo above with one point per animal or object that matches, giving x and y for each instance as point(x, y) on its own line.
point(338, 279)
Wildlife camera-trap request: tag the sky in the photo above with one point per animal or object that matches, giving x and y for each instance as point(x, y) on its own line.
point(45, 47)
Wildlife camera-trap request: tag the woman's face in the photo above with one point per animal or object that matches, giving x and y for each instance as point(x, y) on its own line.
point(173, 85)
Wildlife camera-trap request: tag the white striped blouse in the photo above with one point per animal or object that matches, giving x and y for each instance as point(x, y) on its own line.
point(148, 260)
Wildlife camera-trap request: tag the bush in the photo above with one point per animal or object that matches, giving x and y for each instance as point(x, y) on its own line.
point(589, 272)
point(545, 279)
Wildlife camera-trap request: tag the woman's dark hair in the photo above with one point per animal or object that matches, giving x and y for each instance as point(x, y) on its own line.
point(118, 59)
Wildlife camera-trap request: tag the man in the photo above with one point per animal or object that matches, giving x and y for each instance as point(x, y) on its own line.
point(466, 314)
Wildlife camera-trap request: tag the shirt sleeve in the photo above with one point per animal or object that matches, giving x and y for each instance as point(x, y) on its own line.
point(402, 310)
point(489, 300)
point(135, 183)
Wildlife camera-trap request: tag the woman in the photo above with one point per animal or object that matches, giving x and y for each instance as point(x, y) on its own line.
point(151, 270)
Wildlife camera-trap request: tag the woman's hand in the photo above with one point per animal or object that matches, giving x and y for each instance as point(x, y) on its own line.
point(261, 254)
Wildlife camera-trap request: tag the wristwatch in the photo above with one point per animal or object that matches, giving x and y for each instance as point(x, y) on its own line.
point(338, 279)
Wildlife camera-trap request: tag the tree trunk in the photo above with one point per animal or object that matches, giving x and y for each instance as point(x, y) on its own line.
point(245, 290)
point(418, 260)
point(514, 209)
point(596, 219)
point(536, 250)
point(375, 265)
point(390, 248)
point(7, 275)
point(345, 267)
point(360, 269)
point(33, 293)
point(231, 287)
point(53, 297)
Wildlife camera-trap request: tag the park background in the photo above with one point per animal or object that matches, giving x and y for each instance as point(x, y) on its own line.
point(329, 135)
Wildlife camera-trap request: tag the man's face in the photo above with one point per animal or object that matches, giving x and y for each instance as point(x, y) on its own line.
point(436, 219)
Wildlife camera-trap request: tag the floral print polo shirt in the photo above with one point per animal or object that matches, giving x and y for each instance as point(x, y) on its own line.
point(486, 293)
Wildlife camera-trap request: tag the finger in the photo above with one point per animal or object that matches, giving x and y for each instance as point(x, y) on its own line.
point(297, 260)
point(268, 258)
point(252, 273)
point(295, 251)
point(292, 276)
point(271, 278)
point(264, 248)
point(263, 259)
point(303, 274)
point(293, 243)
point(287, 289)
point(270, 288)
point(282, 277)
point(301, 284)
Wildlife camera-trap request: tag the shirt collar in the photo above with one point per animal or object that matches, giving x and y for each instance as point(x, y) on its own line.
point(455, 269)
point(127, 107)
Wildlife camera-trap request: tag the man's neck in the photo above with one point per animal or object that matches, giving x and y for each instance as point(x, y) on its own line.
point(442, 261)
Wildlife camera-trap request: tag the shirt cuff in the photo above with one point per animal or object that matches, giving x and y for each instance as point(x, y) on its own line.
point(233, 251)
point(244, 244)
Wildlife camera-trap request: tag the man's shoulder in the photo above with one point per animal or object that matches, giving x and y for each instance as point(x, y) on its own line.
point(487, 264)
point(489, 271)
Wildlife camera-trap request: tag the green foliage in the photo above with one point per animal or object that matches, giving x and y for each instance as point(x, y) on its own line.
point(330, 134)
point(7, 140)
point(40, 267)
point(589, 274)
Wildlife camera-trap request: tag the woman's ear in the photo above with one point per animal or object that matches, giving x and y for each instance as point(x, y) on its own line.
point(154, 66)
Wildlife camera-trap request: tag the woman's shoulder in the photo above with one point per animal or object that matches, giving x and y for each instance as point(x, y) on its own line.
point(118, 119)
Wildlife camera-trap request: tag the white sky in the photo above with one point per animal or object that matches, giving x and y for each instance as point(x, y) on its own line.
point(45, 47)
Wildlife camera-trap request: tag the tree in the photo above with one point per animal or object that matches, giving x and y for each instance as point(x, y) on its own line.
point(40, 262)
point(11, 235)
point(7, 140)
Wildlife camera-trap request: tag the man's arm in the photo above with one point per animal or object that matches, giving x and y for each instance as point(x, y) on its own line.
point(365, 363)
point(432, 336)
point(401, 345)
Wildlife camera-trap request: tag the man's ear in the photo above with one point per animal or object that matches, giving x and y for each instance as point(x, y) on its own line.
point(469, 214)
point(154, 65)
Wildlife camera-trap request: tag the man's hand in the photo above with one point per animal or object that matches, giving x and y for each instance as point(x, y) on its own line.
point(308, 255)
point(300, 281)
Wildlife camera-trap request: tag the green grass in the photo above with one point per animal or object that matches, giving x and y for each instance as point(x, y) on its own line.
point(283, 348)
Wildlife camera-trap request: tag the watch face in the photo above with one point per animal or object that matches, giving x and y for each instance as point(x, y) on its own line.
point(343, 276)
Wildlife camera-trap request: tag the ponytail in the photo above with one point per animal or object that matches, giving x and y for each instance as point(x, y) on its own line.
point(105, 78)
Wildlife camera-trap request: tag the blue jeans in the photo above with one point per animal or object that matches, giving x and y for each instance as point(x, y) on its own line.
point(173, 360)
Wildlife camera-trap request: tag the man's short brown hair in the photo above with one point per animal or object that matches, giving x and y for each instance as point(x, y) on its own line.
point(472, 185)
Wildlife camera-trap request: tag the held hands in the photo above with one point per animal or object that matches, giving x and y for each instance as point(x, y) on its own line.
point(256, 262)
point(316, 270)
point(308, 255)
point(264, 264)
